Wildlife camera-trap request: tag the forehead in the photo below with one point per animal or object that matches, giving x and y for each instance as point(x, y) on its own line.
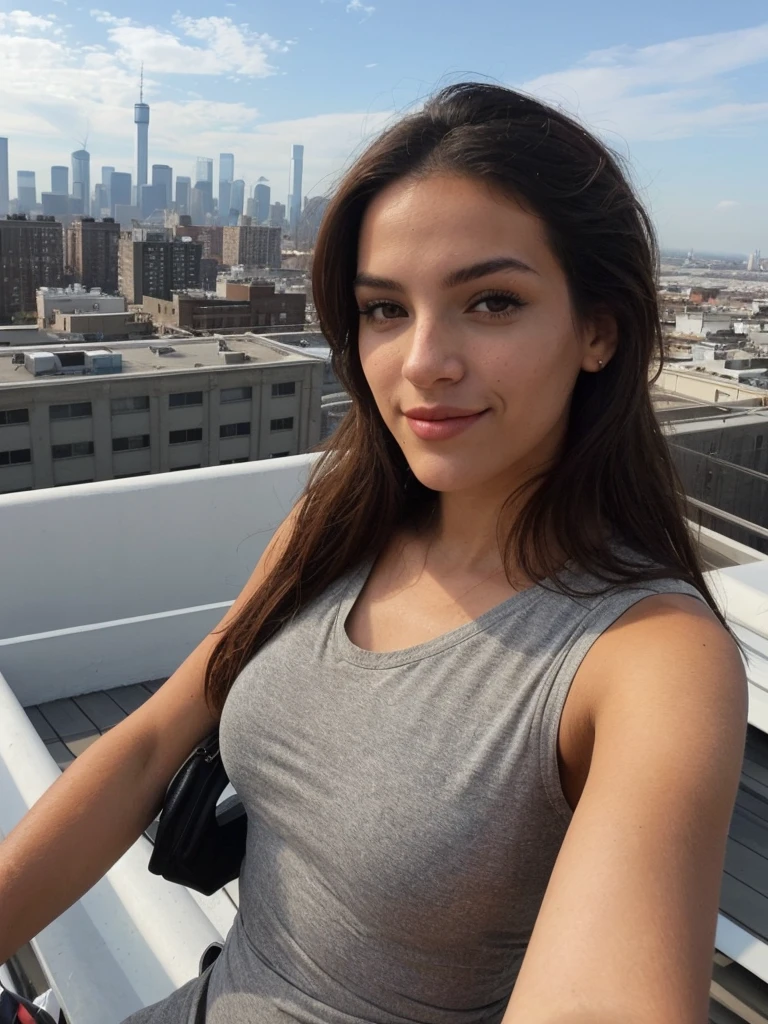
point(442, 220)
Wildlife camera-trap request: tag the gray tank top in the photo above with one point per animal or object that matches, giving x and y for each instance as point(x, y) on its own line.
point(405, 811)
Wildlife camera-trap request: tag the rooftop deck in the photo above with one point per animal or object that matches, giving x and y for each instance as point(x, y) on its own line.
point(113, 584)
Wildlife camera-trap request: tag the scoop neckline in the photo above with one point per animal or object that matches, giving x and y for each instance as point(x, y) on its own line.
point(349, 651)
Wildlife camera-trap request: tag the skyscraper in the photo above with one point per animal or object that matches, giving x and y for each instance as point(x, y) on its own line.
point(121, 190)
point(262, 195)
point(162, 175)
point(204, 169)
point(100, 204)
point(183, 188)
point(226, 175)
point(237, 199)
point(81, 181)
point(26, 190)
point(60, 180)
point(141, 118)
point(92, 248)
point(296, 186)
point(106, 181)
point(33, 257)
point(4, 193)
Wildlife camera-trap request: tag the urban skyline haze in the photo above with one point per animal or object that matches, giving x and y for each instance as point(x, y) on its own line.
point(680, 90)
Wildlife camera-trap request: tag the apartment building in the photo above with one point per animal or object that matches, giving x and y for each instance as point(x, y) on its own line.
point(155, 265)
point(31, 256)
point(252, 246)
point(82, 413)
point(92, 251)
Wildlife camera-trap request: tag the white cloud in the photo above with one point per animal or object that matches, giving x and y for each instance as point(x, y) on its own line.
point(726, 204)
point(26, 23)
point(358, 7)
point(669, 90)
point(371, 65)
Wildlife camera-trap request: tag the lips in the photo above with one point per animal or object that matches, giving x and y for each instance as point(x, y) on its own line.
point(440, 424)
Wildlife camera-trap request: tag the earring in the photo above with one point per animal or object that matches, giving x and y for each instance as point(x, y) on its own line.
point(600, 364)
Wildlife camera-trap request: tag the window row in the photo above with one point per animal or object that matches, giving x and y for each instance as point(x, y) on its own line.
point(16, 458)
point(137, 403)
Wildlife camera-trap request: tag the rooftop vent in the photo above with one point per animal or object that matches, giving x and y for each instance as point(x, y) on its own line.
point(18, 357)
point(235, 357)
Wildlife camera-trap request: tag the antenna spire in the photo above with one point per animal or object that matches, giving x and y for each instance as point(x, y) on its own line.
point(141, 84)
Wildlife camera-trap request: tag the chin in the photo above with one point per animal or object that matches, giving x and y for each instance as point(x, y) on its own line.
point(448, 476)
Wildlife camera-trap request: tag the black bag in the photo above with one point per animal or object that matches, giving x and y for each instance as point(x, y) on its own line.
point(197, 843)
point(15, 1008)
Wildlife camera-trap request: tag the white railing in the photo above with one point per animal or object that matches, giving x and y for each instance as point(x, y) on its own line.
point(116, 582)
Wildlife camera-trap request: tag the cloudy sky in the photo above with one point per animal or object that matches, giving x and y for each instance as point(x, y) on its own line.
point(680, 88)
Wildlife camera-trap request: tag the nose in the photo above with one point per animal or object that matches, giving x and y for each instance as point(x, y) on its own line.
point(432, 354)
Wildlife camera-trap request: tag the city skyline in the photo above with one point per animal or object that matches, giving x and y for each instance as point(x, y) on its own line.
point(680, 90)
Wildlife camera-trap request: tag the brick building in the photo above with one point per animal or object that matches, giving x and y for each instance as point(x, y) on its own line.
point(252, 246)
point(157, 267)
point(92, 253)
point(31, 257)
point(210, 237)
point(251, 306)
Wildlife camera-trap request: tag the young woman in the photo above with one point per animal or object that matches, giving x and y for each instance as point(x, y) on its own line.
point(484, 715)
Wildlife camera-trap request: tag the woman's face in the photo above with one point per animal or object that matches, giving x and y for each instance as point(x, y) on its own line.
point(471, 365)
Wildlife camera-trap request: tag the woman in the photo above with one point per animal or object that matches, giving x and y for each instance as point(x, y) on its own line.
point(484, 715)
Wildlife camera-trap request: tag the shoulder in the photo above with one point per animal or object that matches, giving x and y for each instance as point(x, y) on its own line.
point(669, 664)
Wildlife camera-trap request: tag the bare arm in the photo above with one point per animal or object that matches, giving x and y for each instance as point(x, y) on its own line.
point(110, 793)
point(626, 931)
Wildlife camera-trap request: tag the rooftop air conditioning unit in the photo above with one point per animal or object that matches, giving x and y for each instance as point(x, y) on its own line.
point(234, 357)
point(18, 358)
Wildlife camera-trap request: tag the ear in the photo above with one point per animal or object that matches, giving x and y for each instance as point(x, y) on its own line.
point(599, 339)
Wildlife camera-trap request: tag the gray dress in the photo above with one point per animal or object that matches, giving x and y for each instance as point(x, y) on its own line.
point(405, 812)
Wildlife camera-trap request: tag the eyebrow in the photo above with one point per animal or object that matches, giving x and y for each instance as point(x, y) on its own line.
point(456, 277)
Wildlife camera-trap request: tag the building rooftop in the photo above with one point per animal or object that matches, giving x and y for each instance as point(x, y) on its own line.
point(164, 355)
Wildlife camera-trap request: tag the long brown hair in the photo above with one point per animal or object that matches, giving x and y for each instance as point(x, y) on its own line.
point(614, 477)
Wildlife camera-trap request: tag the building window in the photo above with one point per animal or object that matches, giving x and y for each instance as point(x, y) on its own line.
point(175, 469)
point(234, 429)
point(124, 476)
point(279, 455)
point(236, 394)
point(130, 404)
point(185, 398)
point(76, 450)
point(285, 423)
point(16, 457)
point(130, 444)
point(10, 416)
point(282, 318)
point(72, 411)
point(228, 462)
point(185, 436)
point(287, 387)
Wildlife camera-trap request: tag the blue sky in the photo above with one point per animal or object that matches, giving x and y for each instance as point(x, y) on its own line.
point(680, 87)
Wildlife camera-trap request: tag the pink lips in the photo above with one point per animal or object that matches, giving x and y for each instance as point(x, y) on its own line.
point(441, 422)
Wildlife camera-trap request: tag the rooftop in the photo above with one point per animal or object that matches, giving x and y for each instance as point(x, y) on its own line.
point(175, 354)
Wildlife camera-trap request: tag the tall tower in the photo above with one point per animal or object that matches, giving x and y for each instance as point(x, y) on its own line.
point(81, 181)
point(298, 171)
point(141, 117)
point(4, 196)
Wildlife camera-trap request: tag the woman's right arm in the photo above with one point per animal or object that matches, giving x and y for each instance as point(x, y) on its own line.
point(110, 794)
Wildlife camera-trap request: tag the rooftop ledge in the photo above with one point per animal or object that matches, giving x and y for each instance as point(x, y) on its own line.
point(114, 583)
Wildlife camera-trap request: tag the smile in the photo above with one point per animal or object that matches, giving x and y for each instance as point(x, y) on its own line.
point(441, 429)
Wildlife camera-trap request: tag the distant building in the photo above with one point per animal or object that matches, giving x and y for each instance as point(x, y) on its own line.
point(754, 263)
point(120, 190)
point(81, 180)
point(92, 253)
point(100, 206)
point(31, 256)
point(77, 299)
point(201, 201)
point(126, 215)
point(4, 190)
point(141, 119)
point(106, 181)
point(311, 217)
point(102, 326)
point(55, 205)
point(210, 236)
point(252, 246)
point(183, 188)
point(204, 169)
point(26, 190)
point(277, 215)
point(262, 194)
point(60, 180)
point(702, 322)
point(162, 175)
point(297, 164)
point(157, 267)
point(236, 200)
point(80, 413)
point(245, 306)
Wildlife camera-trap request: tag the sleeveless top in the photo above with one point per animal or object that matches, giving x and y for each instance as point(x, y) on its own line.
point(405, 811)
